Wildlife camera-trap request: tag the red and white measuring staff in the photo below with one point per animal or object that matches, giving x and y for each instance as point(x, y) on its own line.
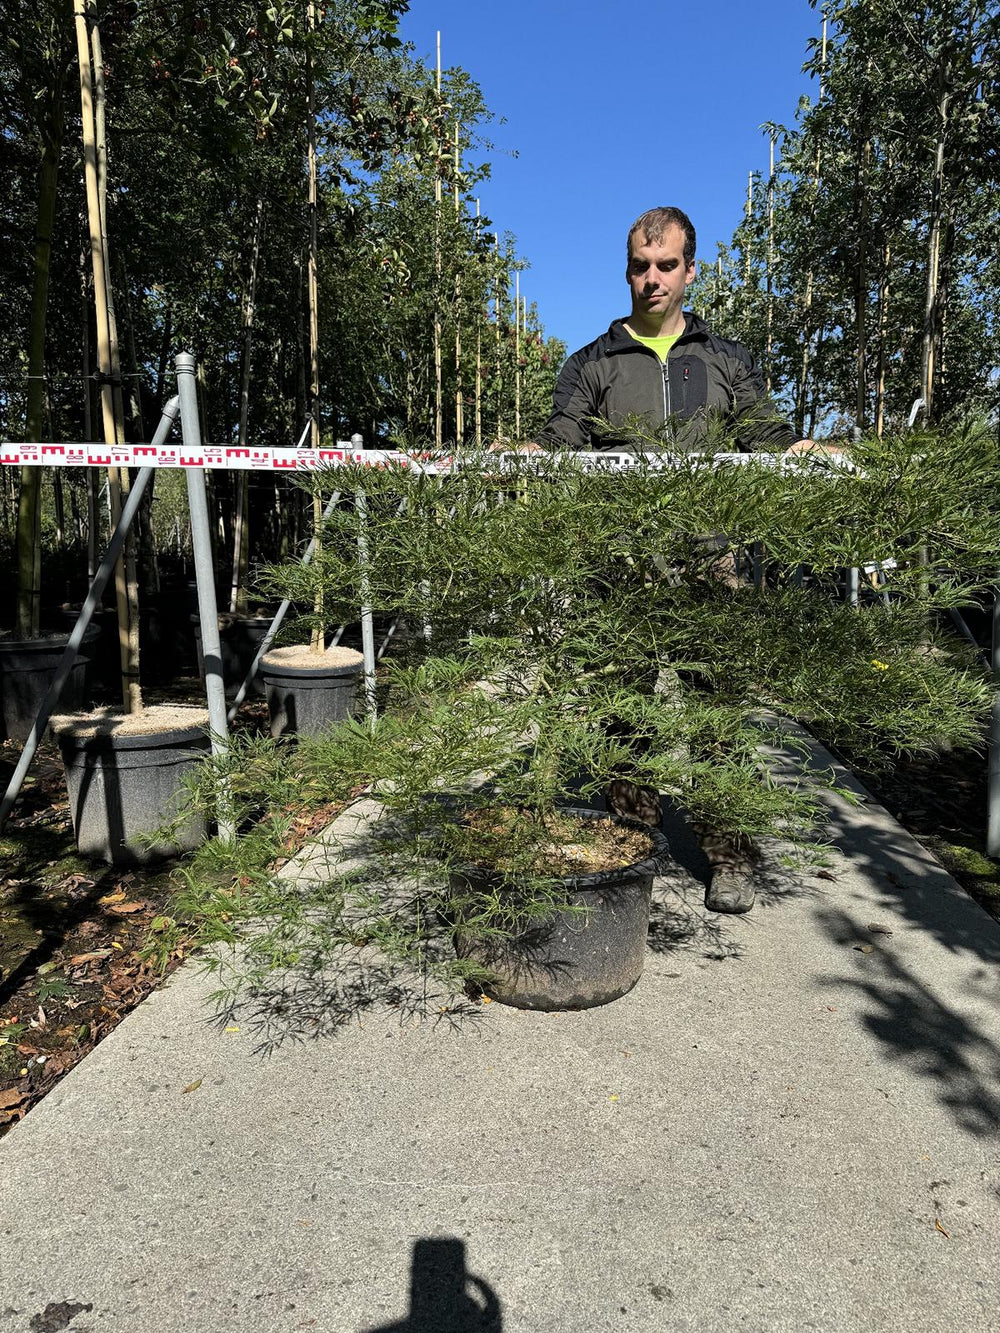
point(232, 458)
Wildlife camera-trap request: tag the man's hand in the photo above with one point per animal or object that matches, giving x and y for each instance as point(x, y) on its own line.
point(502, 447)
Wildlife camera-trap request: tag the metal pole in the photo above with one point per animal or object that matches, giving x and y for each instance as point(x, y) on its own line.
point(367, 625)
point(90, 605)
point(201, 542)
point(853, 584)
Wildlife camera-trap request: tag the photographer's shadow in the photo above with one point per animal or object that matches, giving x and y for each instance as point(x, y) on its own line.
point(444, 1296)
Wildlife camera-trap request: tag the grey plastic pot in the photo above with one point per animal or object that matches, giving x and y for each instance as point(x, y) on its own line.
point(573, 960)
point(308, 700)
point(26, 670)
point(124, 787)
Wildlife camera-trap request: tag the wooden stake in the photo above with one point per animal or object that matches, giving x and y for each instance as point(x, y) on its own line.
point(459, 404)
point(317, 638)
point(517, 356)
point(438, 412)
point(479, 356)
point(241, 544)
point(131, 696)
point(768, 355)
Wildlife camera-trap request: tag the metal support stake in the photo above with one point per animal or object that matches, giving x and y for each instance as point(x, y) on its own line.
point(367, 624)
point(90, 605)
point(853, 586)
point(204, 571)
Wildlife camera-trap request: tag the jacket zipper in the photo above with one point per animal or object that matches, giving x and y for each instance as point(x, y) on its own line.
point(667, 405)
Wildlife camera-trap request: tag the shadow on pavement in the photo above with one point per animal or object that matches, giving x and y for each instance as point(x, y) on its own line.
point(444, 1296)
point(928, 1037)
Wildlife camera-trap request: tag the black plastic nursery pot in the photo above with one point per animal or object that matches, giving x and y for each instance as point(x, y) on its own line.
point(240, 638)
point(573, 960)
point(27, 667)
point(125, 779)
point(307, 693)
point(100, 647)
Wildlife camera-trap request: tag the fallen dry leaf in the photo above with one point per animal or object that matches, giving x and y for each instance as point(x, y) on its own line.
point(865, 948)
point(121, 909)
point(10, 1098)
point(95, 955)
point(825, 874)
point(192, 1086)
point(939, 1227)
point(876, 929)
point(109, 898)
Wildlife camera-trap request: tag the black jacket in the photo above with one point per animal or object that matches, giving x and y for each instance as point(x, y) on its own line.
point(705, 377)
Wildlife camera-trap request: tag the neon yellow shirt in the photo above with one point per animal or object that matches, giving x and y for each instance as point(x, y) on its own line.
point(661, 346)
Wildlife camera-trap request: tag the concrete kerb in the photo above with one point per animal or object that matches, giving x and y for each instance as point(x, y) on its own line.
point(773, 1131)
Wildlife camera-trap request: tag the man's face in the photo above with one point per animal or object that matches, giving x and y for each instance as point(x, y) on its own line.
point(658, 276)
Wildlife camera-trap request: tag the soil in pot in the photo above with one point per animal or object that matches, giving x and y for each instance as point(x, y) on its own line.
point(593, 952)
point(124, 775)
point(27, 667)
point(307, 692)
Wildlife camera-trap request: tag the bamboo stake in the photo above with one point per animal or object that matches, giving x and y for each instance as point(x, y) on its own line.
point(317, 638)
point(131, 697)
point(88, 424)
point(517, 356)
point(800, 397)
point(749, 216)
point(769, 276)
point(131, 673)
point(934, 248)
point(241, 545)
point(479, 356)
point(496, 324)
point(438, 423)
point(459, 404)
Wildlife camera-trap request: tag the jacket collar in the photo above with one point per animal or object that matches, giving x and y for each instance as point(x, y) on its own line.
point(618, 338)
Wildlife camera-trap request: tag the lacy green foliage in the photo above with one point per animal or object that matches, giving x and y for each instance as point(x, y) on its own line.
point(583, 628)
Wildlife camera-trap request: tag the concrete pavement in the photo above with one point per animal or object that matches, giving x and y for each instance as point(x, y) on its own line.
point(774, 1131)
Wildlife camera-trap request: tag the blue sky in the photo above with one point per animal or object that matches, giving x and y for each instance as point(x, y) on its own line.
point(611, 111)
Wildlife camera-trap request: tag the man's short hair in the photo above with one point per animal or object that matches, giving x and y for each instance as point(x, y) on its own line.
point(654, 222)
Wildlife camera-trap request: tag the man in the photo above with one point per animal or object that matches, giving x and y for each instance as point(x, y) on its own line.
point(662, 362)
point(667, 366)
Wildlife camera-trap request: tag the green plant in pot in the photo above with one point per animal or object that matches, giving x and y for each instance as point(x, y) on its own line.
point(309, 686)
point(585, 630)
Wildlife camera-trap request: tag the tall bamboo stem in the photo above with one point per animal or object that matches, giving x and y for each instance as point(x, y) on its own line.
point(479, 356)
point(517, 355)
point(241, 537)
point(438, 404)
point(317, 638)
point(459, 402)
point(769, 276)
point(131, 695)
